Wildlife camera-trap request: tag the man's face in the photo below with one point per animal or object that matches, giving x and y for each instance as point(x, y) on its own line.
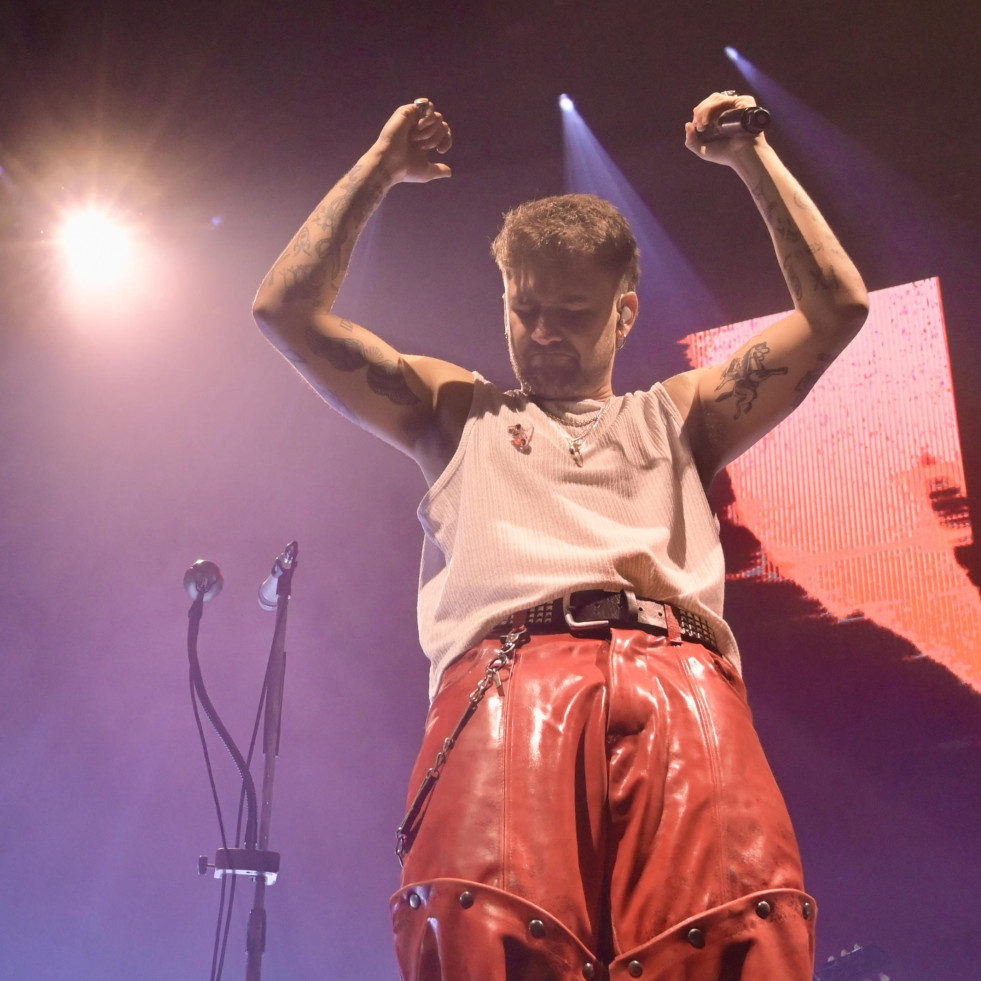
point(561, 328)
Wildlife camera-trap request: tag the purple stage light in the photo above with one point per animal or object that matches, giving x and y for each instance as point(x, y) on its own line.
point(565, 103)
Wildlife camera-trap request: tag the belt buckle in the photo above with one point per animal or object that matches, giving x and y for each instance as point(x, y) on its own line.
point(573, 624)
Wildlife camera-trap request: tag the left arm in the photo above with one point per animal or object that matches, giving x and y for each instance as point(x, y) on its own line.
point(728, 407)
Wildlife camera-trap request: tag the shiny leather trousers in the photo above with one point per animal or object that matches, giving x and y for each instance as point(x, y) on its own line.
point(610, 815)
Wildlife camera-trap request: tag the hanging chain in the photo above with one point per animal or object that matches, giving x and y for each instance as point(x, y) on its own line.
point(502, 658)
point(576, 442)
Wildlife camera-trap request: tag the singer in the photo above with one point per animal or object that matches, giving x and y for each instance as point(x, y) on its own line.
point(604, 809)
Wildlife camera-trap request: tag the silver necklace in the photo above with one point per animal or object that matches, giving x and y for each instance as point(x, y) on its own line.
point(576, 442)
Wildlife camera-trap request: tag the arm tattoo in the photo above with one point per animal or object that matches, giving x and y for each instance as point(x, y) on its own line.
point(339, 221)
point(386, 379)
point(745, 374)
point(348, 354)
point(810, 379)
point(776, 215)
point(826, 280)
point(303, 281)
point(302, 243)
point(792, 277)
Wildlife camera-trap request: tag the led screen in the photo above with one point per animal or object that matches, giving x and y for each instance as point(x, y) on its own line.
point(858, 497)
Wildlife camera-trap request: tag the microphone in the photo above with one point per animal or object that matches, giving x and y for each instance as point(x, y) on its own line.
point(203, 579)
point(735, 122)
point(269, 590)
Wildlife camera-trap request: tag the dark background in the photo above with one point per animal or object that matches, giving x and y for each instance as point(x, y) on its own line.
point(139, 437)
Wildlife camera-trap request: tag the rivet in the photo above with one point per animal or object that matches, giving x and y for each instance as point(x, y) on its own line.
point(695, 937)
point(466, 899)
point(588, 971)
point(415, 900)
point(763, 909)
point(808, 911)
point(635, 969)
point(537, 928)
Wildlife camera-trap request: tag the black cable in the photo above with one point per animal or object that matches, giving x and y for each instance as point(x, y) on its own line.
point(207, 765)
point(217, 948)
point(197, 680)
point(238, 821)
point(228, 923)
point(241, 804)
point(248, 793)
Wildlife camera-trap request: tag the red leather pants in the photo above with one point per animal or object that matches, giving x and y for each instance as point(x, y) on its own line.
point(611, 815)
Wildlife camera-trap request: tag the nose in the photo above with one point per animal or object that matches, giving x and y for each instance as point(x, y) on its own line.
point(544, 332)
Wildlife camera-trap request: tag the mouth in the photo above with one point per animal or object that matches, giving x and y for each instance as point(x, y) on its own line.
point(551, 356)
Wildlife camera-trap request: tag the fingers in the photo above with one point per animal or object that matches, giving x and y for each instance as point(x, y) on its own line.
point(718, 102)
point(432, 131)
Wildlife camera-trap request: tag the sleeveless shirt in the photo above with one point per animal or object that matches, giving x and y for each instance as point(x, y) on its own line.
point(508, 527)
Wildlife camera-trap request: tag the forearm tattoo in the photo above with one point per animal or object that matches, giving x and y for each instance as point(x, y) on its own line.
point(776, 215)
point(384, 377)
point(802, 269)
point(742, 378)
point(328, 237)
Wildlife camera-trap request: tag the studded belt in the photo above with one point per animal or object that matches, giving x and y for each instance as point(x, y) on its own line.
point(591, 610)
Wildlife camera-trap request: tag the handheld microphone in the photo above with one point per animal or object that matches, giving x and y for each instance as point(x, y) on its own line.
point(269, 590)
point(203, 579)
point(735, 122)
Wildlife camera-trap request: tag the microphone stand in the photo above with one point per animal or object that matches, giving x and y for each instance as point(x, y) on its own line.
point(255, 943)
point(203, 581)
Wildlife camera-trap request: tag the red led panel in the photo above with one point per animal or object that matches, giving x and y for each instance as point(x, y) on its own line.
point(858, 496)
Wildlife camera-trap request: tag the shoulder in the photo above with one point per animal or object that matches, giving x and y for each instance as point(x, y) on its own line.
point(682, 391)
point(450, 390)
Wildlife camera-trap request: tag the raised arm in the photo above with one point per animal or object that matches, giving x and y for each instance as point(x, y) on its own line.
point(730, 406)
point(417, 404)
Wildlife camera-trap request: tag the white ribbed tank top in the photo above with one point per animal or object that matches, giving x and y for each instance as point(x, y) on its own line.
point(507, 529)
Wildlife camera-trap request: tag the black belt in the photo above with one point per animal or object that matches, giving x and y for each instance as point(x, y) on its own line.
point(591, 610)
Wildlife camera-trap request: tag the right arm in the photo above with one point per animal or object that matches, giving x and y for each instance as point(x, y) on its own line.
point(416, 404)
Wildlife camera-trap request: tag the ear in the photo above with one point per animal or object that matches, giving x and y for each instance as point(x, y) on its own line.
point(627, 306)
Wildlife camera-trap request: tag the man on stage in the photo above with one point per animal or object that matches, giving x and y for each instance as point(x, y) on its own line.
point(591, 799)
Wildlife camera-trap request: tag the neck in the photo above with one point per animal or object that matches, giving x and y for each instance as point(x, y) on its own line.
point(603, 395)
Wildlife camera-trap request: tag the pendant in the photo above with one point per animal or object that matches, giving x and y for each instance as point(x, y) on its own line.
point(521, 437)
point(575, 452)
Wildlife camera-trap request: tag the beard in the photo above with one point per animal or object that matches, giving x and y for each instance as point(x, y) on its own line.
point(558, 372)
point(552, 375)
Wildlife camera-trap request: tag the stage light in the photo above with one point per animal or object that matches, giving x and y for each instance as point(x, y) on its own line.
point(731, 53)
point(97, 250)
point(565, 103)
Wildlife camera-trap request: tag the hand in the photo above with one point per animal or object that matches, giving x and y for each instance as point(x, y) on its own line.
point(407, 138)
point(722, 151)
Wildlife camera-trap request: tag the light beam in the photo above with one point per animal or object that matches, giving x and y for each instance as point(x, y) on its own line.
point(676, 297)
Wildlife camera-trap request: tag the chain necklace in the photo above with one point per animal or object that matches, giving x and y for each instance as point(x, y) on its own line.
point(576, 442)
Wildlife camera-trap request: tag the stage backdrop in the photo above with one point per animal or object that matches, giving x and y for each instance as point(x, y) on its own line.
point(858, 497)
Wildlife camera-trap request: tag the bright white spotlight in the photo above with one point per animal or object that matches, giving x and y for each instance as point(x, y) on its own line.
point(565, 103)
point(731, 53)
point(98, 251)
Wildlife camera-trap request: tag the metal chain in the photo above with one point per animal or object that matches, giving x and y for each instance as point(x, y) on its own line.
point(503, 656)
